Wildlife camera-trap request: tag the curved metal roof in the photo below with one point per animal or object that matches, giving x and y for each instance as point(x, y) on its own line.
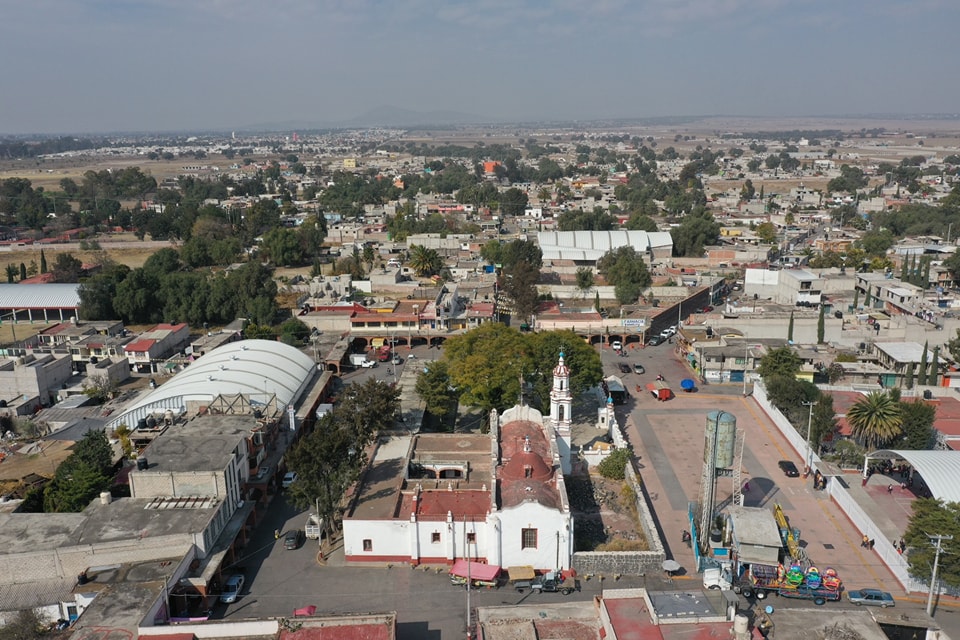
point(258, 369)
point(39, 296)
point(940, 469)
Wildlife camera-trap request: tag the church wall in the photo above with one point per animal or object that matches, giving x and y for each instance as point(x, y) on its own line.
point(548, 523)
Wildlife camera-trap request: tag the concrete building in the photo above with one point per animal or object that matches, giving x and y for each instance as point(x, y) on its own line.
point(33, 381)
point(151, 347)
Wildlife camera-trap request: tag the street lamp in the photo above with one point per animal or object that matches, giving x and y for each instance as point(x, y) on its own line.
point(808, 462)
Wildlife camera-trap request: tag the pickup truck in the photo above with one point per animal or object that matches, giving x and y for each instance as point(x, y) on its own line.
point(554, 582)
point(314, 527)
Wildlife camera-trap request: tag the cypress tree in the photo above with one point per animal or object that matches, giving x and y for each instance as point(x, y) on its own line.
point(23, 271)
point(866, 299)
point(790, 328)
point(925, 274)
point(922, 378)
point(908, 383)
point(856, 298)
point(934, 366)
point(43, 262)
point(821, 325)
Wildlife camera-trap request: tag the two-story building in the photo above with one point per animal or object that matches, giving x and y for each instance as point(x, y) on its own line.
point(153, 346)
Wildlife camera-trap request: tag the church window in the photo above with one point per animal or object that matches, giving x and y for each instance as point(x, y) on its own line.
point(528, 539)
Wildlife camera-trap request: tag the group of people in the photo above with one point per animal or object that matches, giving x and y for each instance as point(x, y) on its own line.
point(867, 542)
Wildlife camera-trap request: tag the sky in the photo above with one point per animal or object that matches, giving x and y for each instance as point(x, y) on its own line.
point(101, 66)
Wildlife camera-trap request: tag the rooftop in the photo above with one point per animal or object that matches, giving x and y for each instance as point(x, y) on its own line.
point(206, 443)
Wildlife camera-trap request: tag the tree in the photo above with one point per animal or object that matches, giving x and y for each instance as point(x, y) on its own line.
point(697, 230)
point(27, 624)
point(67, 268)
point(489, 360)
point(329, 460)
point(23, 271)
point(543, 351)
point(934, 367)
point(585, 279)
point(823, 421)
point(11, 273)
point(522, 251)
point(766, 232)
point(294, 332)
point(933, 517)
point(81, 477)
point(43, 262)
point(875, 420)
point(917, 423)
point(821, 325)
point(424, 261)
point(790, 328)
point(434, 388)
point(514, 202)
point(779, 362)
point(953, 346)
point(99, 388)
point(519, 283)
point(639, 221)
point(625, 269)
point(97, 294)
point(922, 379)
point(748, 191)
point(282, 247)
point(911, 371)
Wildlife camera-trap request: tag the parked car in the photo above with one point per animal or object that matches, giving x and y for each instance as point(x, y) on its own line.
point(624, 367)
point(616, 345)
point(872, 597)
point(655, 340)
point(638, 368)
point(231, 588)
point(288, 479)
point(397, 360)
point(789, 469)
point(293, 539)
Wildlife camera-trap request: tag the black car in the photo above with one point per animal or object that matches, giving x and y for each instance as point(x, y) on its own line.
point(789, 469)
point(624, 368)
point(293, 539)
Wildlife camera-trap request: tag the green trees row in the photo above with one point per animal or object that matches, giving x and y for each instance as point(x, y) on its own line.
point(162, 290)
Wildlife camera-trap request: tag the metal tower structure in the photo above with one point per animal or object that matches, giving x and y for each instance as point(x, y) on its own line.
point(737, 493)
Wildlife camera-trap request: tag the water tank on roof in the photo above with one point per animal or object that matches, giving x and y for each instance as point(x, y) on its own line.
point(142, 423)
point(151, 422)
point(142, 464)
point(105, 497)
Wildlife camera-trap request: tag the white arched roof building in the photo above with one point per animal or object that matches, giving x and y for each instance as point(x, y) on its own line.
point(940, 469)
point(259, 370)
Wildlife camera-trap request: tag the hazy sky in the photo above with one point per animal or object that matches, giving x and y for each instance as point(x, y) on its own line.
point(84, 66)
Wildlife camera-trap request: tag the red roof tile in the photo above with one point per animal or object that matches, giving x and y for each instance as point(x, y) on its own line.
point(139, 345)
point(527, 471)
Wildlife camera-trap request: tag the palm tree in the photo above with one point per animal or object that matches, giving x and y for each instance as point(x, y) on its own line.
point(875, 420)
point(424, 261)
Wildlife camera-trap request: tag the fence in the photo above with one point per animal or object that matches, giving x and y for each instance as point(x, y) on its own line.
point(840, 494)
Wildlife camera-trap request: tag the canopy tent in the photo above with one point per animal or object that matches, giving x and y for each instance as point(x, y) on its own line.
point(476, 570)
point(940, 469)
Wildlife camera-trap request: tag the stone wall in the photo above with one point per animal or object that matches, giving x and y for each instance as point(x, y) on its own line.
point(629, 563)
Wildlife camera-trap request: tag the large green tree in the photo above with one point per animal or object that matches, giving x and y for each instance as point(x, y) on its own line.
point(875, 420)
point(329, 459)
point(435, 389)
point(782, 361)
point(696, 231)
point(917, 419)
point(933, 517)
point(488, 363)
point(424, 261)
point(625, 269)
point(82, 476)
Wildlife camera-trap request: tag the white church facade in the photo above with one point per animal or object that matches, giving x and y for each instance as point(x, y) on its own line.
point(498, 498)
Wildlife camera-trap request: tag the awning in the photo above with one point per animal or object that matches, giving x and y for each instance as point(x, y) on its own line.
point(376, 343)
point(521, 573)
point(477, 570)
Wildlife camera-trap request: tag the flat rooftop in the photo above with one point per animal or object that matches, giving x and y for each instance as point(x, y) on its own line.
point(202, 444)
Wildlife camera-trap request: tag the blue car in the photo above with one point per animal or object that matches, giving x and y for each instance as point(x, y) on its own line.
point(872, 597)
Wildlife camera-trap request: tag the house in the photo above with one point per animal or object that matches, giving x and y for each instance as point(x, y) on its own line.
point(31, 381)
point(151, 347)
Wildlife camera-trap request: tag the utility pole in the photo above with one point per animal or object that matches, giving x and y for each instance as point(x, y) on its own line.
point(808, 461)
point(936, 567)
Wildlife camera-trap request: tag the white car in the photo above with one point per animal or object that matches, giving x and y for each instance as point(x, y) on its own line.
point(231, 588)
point(369, 364)
point(616, 345)
point(288, 479)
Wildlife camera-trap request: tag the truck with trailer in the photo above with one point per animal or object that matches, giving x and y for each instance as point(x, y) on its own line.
point(762, 580)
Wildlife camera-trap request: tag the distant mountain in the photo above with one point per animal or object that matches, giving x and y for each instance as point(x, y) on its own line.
point(388, 116)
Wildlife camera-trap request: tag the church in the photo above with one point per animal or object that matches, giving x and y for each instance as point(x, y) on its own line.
point(497, 498)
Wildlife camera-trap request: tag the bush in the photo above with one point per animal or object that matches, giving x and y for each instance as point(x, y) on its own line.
point(614, 465)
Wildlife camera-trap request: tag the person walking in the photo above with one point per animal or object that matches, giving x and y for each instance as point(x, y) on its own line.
point(865, 541)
